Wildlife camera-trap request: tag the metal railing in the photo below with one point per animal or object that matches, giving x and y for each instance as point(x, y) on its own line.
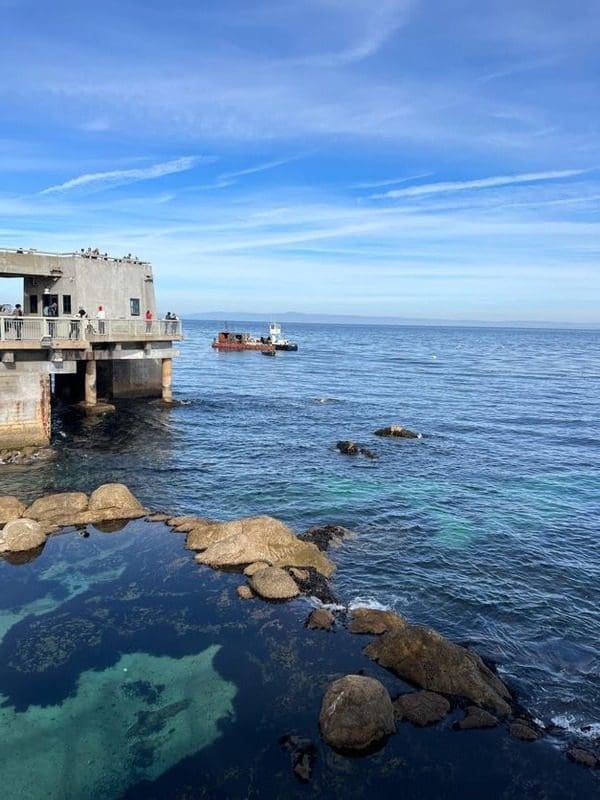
point(37, 329)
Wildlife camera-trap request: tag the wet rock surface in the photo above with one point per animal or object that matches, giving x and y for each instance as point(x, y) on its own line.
point(584, 757)
point(302, 755)
point(397, 431)
point(274, 583)
point(356, 713)
point(423, 657)
point(421, 708)
point(21, 535)
point(375, 621)
point(316, 585)
point(476, 718)
point(320, 619)
point(324, 536)
point(524, 730)
point(349, 448)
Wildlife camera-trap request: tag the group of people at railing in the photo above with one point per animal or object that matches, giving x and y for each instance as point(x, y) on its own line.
point(97, 255)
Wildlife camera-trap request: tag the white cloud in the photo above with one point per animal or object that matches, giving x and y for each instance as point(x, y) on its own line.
point(119, 177)
point(480, 183)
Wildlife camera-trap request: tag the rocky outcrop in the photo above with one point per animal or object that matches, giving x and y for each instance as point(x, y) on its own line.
point(397, 431)
point(324, 536)
point(476, 718)
point(348, 448)
point(356, 713)
point(20, 535)
point(376, 621)
point(524, 730)
point(111, 501)
point(59, 509)
point(114, 501)
point(320, 619)
point(423, 657)
point(203, 534)
point(244, 592)
point(315, 585)
point(244, 541)
point(584, 757)
point(421, 708)
point(10, 508)
point(274, 583)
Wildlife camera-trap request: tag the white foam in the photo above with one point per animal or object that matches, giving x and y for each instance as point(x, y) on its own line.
point(568, 723)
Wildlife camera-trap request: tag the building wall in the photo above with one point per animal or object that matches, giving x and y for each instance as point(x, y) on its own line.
point(24, 409)
point(137, 378)
point(93, 282)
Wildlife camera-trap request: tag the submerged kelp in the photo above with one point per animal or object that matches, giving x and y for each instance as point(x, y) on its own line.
point(109, 734)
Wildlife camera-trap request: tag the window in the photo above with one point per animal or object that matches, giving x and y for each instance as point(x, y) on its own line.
point(33, 304)
point(134, 306)
point(66, 303)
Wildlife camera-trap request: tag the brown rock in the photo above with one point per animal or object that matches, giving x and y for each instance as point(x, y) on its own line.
point(193, 523)
point(174, 522)
point(63, 508)
point(421, 708)
point(356, 713)
point(21, 534)
point(263, 539)
point(374, 620)
point(203, 534)
point(476, 718)
point(274, 583)
point(255, 567)
point(245, 592)
point(422, 656)
point(10, 508)
point(300, 574)
point(115, 497)
point(320, 619)
point(522, 730)
point(397, 431)
point(583, 757)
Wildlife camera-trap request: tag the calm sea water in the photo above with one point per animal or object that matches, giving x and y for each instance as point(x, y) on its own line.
point(487, 528)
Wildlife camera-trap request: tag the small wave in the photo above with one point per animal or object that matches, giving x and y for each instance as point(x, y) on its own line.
point(324, 400)
point(569, 724)
point(368, 602)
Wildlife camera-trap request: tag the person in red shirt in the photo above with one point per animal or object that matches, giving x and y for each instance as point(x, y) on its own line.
point(149, 318)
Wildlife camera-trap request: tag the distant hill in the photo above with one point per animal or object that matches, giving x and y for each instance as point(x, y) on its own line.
point(352, 319)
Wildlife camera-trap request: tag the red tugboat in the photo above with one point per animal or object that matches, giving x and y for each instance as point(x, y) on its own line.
point(228, 340)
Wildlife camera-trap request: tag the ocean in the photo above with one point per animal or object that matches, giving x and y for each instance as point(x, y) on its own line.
point(487, 527)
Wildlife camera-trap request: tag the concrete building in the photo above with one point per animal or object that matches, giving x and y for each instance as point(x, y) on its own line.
point(116, 349)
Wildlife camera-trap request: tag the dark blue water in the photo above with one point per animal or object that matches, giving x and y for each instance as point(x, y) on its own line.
point(487, 528)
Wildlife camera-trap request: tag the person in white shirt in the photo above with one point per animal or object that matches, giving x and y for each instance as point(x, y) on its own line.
point(101, 316)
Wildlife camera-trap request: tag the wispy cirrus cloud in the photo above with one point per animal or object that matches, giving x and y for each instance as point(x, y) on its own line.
point(480, 183)
point(120, 177)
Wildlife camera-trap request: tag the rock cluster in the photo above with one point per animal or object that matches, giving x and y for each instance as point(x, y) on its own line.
point(245, 541)
point(326, 536)
point(423, 657)
point(26, 528)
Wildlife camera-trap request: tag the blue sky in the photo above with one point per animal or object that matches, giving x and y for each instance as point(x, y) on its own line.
point(419, 159)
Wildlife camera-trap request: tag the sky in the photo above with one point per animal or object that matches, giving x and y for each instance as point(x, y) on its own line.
point(412, 158)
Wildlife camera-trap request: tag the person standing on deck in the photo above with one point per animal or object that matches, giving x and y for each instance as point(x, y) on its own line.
point(101, 316)
point(149, 318)
point(18, 323)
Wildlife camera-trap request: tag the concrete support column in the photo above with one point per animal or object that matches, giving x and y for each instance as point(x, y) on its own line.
point(167, 380)
point(24, 409)
point(90, 383)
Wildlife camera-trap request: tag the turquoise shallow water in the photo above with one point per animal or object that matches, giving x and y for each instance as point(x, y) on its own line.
point(486, 528)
